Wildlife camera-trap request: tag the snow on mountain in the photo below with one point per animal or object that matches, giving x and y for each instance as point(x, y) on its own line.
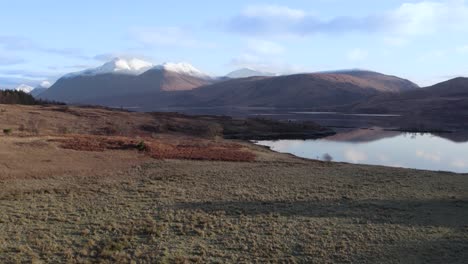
point(182, 68)
point(136, 67)
point(24, 88)
point(247, 72)
point(118, 65)
point(44, 84)
point(42, 87)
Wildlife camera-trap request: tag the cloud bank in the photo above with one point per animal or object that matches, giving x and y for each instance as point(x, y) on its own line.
point(17, 43)
point(409, 19)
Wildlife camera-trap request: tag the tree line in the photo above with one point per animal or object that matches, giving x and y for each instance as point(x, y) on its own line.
point(20, 97)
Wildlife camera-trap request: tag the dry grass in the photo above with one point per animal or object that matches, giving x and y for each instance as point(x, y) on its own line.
point(196, 211)
point(195, 149)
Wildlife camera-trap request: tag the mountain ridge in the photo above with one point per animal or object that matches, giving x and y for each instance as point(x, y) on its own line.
point(190, 87)
point(247, 72)
point(445, 97)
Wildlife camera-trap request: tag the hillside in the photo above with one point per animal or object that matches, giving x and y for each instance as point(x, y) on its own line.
point(381, 81)
point(298, 91)
point(446, 98)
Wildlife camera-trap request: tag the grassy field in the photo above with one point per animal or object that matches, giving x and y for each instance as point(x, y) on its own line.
point(123, 205)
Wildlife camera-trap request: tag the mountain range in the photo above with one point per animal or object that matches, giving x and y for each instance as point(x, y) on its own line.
point(140, 84)
point(297, 91)
point(144, 86)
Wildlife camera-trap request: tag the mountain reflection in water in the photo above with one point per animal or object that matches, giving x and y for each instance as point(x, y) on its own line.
point(379, 147)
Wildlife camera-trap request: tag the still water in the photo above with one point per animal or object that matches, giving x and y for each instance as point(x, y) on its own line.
point(379, 147)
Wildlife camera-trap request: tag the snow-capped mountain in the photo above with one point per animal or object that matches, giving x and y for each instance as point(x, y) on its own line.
point(247, 72)
point(118, 65)
point(42, 87)
point(24, 88)
point(182, 68)
point(125, 78)
point(136, 66)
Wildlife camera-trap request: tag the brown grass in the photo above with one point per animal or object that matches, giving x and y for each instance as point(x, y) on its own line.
point(195, 149)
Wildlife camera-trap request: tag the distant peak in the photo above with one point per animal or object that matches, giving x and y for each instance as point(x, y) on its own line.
point(132, 66)
point(347, 70)
point(247, 72)
point(182, 68)
point(44, 84)
point(24, 88)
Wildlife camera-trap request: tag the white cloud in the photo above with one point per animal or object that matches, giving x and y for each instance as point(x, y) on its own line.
point(264, 55)
point(45, 84)
point(433, 55)
point(461, 164)
point(429, 17)
point(167, 36)
point(26, 44)
point(434, 157)
point(406, 20)
point(264, 47)
point(252, 61)
point(355, 156)
point(395, 41)
point(357, 55)
point(462, 49)
point(274, 11)
point(105, 57)
point(383, 158)
point(9, 60)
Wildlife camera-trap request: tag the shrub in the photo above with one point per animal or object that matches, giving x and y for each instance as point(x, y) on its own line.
point(7, 131)
point(141, 146)
point(327, 157)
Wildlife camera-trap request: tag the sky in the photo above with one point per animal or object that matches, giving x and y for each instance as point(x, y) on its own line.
point(424, 41)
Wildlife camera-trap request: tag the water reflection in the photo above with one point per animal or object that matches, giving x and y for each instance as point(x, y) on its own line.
point(379, 147)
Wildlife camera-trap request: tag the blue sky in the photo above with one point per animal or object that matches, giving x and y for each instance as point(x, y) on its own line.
point(425, 41)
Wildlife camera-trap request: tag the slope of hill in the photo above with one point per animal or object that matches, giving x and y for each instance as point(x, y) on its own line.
point(42, 87)
point(298, 91)
point(381, 81)
point(37, 91)
point(450, 97)
point(168, 79)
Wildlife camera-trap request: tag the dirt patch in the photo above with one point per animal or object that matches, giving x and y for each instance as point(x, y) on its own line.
point(188, 149)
